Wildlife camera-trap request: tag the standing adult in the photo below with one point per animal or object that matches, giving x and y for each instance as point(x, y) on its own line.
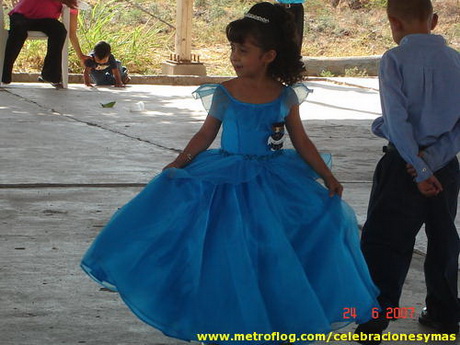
point(297, 10)
point(37, 15)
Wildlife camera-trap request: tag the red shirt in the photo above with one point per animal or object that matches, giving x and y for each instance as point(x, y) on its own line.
point(38, 9)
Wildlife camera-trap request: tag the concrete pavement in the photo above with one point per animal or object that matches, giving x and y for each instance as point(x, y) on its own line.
point(66, 164)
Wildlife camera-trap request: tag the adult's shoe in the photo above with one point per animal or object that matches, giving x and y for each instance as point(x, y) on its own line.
point(56, 85)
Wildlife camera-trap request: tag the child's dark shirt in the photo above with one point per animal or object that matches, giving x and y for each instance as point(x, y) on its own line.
point(110, 64)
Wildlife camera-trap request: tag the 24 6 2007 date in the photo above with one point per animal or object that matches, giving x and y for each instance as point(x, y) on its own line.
point(388, 313)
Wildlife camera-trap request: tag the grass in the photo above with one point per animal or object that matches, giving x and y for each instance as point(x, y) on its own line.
point(142, 37)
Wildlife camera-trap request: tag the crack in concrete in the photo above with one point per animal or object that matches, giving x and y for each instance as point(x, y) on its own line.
point(92, 124)
point(347, 84)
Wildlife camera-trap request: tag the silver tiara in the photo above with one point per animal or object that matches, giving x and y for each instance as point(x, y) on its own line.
point(256, 17)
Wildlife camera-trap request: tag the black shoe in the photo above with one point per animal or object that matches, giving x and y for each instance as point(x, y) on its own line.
point(56, 85)
point(442, 327)
point(374, 326)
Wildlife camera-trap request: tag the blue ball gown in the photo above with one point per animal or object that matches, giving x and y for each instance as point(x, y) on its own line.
point(242, 240)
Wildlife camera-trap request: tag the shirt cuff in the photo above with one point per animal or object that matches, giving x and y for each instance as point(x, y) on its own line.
point(428, 158)
point(423, 171)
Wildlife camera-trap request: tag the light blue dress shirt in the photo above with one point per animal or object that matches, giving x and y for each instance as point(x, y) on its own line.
point(420, 96)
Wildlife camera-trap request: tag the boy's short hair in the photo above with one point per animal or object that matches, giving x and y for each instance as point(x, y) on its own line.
point(102, 49)
point(409, 10)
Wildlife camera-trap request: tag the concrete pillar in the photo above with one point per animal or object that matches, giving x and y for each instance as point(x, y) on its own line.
point(183, 62)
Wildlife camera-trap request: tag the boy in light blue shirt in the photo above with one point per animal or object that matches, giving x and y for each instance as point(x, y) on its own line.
point(417, 180)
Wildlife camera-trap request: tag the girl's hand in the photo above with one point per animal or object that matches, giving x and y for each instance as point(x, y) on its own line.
point(170, 165)
point(333, 185)
point(182, 160)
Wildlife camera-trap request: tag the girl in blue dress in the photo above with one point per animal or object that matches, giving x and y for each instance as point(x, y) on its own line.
point(241, 239)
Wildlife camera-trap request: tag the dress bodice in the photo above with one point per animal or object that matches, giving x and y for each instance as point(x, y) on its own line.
point(254, 129)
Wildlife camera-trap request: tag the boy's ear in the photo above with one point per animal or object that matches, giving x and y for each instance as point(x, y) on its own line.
point(434, 21)
point(395, 23)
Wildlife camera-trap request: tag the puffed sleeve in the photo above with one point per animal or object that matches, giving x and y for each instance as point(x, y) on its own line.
point(298, 94)
point(214, 98)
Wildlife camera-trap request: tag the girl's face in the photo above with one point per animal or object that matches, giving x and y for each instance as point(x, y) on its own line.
point(250, 60)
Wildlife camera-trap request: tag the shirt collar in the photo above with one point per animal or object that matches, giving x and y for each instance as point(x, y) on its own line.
point(423, 38)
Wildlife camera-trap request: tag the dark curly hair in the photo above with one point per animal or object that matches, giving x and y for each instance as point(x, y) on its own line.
point(102, 49)
point(272, 27)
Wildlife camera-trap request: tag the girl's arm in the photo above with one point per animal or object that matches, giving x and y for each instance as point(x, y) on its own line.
point(73, 25)
point(200, 142)
point(308, 151)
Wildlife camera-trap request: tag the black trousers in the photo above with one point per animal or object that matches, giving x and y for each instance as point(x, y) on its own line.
point(297, 11)
point(397, 210)
point(56, 32)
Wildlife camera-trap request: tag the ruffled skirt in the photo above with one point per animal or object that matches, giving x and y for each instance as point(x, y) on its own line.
point(236, 244)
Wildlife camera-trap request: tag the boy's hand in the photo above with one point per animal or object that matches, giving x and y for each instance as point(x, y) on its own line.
point(333, 185)
point(411, 170)
point(430, 187)
point(86, 77)
point(117, 76)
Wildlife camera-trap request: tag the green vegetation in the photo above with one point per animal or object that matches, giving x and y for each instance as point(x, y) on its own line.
point(355, 72)
point(326, 74)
